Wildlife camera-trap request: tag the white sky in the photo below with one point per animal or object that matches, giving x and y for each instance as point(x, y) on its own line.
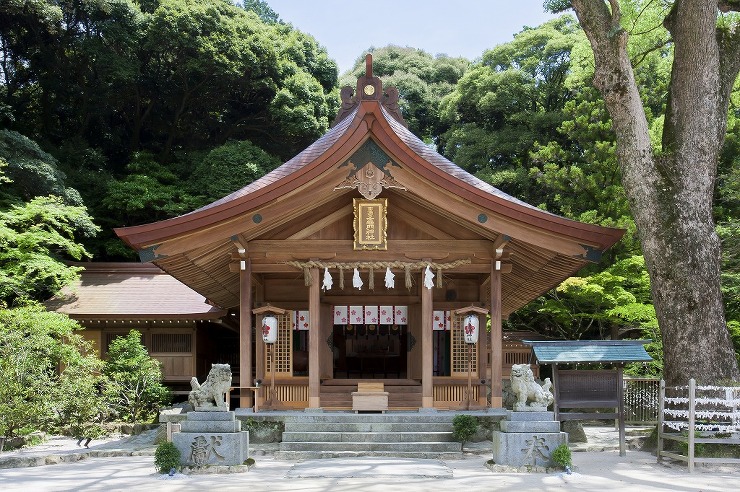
point(454, 27)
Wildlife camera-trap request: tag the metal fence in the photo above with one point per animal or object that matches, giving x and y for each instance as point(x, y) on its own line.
point(641, 400)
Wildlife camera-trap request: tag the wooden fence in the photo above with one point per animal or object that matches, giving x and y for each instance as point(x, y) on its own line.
point(698, 415)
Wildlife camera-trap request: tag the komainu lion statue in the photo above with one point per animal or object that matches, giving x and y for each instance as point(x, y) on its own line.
point(211, 395)
point(527, 390)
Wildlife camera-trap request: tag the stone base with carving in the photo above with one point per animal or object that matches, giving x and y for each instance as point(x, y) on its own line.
point(527, 439)
point(211, 438)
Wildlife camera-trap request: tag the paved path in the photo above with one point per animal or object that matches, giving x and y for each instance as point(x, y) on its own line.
point(600, 471)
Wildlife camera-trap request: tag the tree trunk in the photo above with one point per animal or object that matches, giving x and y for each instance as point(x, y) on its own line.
point(671, 194)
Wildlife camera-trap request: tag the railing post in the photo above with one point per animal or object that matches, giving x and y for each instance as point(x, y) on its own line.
point(692, 419)
point(661, 403)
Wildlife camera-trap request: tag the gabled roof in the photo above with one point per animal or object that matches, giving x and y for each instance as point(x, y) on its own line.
point(589, 351)
point(130, 291)
point(198, 247)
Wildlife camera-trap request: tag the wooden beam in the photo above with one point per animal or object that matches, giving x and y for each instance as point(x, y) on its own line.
point(322, 223)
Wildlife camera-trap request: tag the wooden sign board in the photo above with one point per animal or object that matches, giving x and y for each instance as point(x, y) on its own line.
point(371, 226)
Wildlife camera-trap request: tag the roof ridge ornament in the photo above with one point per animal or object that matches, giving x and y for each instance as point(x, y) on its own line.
point(369, 88)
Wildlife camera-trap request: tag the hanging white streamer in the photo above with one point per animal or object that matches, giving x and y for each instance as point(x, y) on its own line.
point(390, 281)
point(356, 280)
point(428, 278)
point(328, 282)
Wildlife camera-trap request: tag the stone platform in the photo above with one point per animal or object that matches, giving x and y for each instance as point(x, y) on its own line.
point(211, 438)
point(527, 439)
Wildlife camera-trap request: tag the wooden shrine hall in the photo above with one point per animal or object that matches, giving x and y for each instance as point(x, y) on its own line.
point(367, 246)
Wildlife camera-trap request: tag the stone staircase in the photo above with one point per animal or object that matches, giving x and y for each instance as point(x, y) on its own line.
point(348, 435)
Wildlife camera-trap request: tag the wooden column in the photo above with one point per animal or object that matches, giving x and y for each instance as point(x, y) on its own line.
point(496, 343)
point(314, 339)
point(245, 332)
point(483, 351)
point(259, 347)
point(427, 346)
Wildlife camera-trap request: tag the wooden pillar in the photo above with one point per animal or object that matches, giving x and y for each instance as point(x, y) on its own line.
point(427, 347)
point(245, 332)
point(259, 346)
point(483, 352)
point(482, 346)
point(496, 343)
point(314, 339)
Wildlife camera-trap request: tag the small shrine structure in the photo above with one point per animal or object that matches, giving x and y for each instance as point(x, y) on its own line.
point(583, 389)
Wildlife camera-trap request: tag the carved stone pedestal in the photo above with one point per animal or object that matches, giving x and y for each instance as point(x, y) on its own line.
point(527, 439)
point(211, 438)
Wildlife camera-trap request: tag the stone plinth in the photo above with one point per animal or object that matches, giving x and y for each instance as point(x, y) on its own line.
point(211, 438)
point(527, 439)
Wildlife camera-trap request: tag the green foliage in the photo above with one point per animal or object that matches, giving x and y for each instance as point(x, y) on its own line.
point(249, 462)
point(151, 191)
point(166, 457)
point(561, 456)
point(464, 427)
point(506, 104)
point(422, 81)
point(228, 168)
point(31, 171)
point(134, 387)
point(35, 240)
point(48, 372)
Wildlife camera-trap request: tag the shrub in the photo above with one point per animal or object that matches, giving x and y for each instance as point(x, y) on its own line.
point(463, 427)
point(166, 457)
point(561, 456)
point(134, 386)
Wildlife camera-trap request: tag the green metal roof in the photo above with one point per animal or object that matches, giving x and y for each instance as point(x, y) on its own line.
point(589, 351)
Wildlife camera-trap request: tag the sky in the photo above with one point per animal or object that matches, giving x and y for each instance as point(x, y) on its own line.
point(453, 27)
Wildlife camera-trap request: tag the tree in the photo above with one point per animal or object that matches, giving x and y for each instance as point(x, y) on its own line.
point(502, 107)
point(46, 370)
point(228, 168)
point(422, 81)
point(671, 188)
point(134, 387)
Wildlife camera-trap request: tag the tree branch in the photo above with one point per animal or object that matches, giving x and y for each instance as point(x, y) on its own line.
point(729, 5)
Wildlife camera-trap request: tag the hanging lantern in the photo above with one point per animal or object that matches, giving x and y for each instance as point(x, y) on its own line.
point(269, 329)
point(471, 326)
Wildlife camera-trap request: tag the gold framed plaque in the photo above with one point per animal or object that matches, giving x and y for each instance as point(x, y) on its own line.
point(371, 225)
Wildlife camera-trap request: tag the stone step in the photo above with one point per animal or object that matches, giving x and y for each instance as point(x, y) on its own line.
point(317, 455)
point(530, 426)
point(377, 437)
point(387, 447)
point(349, 417)
point(368, 427)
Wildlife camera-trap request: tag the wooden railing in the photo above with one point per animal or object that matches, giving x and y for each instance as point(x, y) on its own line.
point(451, 392)
point(291, 393)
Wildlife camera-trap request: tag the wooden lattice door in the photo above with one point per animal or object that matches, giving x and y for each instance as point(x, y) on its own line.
point(459, 351)
point(283, 347)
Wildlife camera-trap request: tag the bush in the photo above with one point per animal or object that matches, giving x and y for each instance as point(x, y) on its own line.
point(34, 395)
point(166, 457)
point(134, 386)
point(464, 427)
point(561, 456)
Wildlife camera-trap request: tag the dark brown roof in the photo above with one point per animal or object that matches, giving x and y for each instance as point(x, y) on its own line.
point(130, 291)
point(198, 247)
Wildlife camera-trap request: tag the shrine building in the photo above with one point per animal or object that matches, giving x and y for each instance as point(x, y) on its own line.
point(369, 249)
